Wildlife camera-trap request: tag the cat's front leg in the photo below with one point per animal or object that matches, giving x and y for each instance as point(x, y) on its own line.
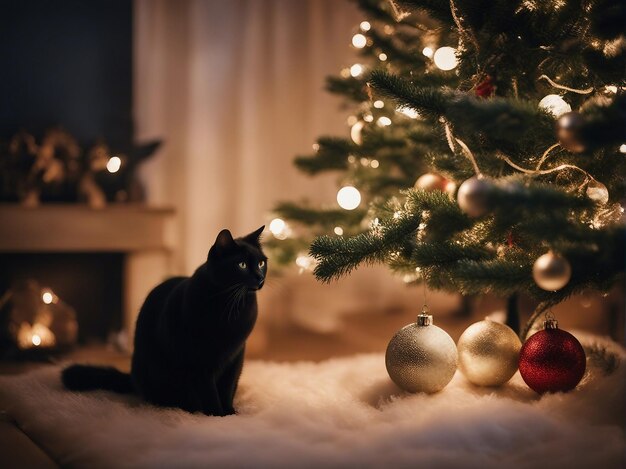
point(227, 382)
point(211, 403)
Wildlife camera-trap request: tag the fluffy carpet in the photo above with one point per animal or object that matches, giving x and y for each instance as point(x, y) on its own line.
point(338, 413)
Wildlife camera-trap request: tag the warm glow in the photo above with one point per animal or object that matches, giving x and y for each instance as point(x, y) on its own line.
point(355, 132)
point(365, 26)
point(555, 105)
point(352, 120)
point(384, 121)
point(622, 148)
point(374, 164)
point(359, 41)
point(407, 111)
point(445, 58)
point(305, 262)
point(368, 118)
point(428, 52)
point(349, 197)
point(379, 104)
point(356, 70)
point(114, 164)
point(47, 297)
point(36, 340)
point(338, 230)
point(279, 228)
point(382, 56)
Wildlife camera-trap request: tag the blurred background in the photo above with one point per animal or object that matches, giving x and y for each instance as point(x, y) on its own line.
point(189, 114)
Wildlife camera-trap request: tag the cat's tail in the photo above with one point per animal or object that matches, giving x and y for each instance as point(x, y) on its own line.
point(87, 378)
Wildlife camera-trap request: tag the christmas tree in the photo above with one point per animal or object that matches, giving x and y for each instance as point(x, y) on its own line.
point(488, 148)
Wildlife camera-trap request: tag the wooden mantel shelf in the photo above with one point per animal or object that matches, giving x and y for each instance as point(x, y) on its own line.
point(78, 228)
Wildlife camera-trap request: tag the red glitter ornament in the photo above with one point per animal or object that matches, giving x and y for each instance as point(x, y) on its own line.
point(552, 360)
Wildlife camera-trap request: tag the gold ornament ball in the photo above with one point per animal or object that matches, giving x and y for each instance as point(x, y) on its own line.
point(421, 357)
point(474, 196)
point(569, 131)
point(551, 271)
point(488, 353)
point(431, 182)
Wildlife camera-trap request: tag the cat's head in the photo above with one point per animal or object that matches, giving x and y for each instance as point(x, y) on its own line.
point(238, 261)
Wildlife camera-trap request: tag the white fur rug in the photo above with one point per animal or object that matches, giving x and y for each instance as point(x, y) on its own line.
point(338, 413)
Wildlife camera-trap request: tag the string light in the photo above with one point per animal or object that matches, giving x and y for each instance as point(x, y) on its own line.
point(374, 164)
point(356, 70)
point(305, 262)
point(554, 104)
point(378, 104)
point(428, 52)
point(383, 121)
point(622, 148)
point(279, 228)
point(114, 164)
point(365, 26)
point(338, 230)
point(47, 297)
point(365, 162)
point(368, 118)
point(36, 340)
point(355, 132)
point(445, 58)
point(316, 147)
point(359, 41)
point(382, 56)
point(348, 197)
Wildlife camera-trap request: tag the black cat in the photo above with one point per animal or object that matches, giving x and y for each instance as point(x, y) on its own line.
point(191, 333)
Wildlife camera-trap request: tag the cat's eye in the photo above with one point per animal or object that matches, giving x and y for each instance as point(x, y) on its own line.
point(261, 264)
point(243, 265)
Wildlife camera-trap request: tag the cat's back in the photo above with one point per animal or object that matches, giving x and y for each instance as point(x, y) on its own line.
point(154, 304)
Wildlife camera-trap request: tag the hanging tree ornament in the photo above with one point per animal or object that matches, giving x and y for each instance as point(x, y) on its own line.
point(569, 131)
point(421, 357)
point(552, 360)
point(474, 196)
point(551, 271)
point(488, 353)
point(431, 182)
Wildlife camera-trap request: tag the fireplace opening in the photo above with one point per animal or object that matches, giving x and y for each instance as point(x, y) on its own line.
point(91, 283)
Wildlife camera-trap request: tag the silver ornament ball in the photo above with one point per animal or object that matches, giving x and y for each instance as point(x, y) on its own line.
point(488, 353)
point(551, 271)
point(474, 196)
point(421, 357)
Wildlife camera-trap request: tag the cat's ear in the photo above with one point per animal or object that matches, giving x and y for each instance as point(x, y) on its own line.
point(253, 238)
point(224, 241)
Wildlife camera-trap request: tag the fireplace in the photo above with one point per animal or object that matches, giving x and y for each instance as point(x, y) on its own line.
point(101, 262)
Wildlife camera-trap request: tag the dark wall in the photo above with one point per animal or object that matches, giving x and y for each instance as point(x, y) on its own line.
point(66, 62)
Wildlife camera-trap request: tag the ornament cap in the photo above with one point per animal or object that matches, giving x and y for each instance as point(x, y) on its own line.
point(424, 319)
point(550, 323)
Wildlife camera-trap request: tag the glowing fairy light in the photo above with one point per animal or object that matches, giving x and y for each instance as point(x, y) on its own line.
point(359, 41)
point(407, 111)
point(374, 164)
point(554, 104)
point(305, 262)
point(445, 58)
point(428, 52)
point(316, 147)
point(365, 26)
point(114, 164)
point(356, 131)
point(279, 228)
point(382, 56)
point(352, 120)
point(338, 230)
point(356, 70)
point(47, 297)
point(36, 340)
point(383, 121)
point(378, 104)
point(348, 197)
point(622, 148)
point(365, 162)
point(368, 118)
